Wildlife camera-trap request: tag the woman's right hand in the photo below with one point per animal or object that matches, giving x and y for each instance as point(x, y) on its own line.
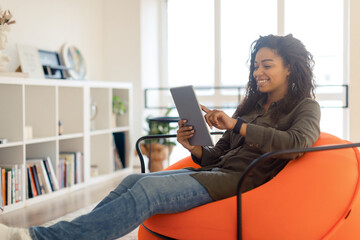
point(184, 133)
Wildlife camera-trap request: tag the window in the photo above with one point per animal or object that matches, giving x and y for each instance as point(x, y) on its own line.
point(209, 41)
point(240, 26)
point(190, 42)
point(326, 43)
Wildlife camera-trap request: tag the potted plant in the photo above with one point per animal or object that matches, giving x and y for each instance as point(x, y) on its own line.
point(118, 108)
point(160, 148)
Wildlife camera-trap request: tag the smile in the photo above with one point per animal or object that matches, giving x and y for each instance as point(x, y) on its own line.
point(261, 82)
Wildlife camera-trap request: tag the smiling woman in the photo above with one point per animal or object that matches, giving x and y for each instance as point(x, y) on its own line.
point(291, 59)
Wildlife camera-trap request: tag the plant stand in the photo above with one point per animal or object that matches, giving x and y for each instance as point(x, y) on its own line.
point(157, 154)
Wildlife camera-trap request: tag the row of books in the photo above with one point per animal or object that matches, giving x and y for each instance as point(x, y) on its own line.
point(41, 178)
point(10, 184)
point(70, 168)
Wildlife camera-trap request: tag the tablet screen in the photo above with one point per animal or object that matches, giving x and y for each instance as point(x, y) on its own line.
point(189, 109)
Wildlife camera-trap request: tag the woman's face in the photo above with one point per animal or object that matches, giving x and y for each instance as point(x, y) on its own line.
point(271, 74)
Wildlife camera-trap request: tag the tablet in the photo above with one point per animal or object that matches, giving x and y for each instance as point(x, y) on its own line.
point(189, 109)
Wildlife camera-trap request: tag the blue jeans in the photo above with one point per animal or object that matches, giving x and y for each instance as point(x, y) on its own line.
point(136, 198)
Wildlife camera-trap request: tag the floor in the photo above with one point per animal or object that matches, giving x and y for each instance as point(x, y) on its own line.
point(40, 213)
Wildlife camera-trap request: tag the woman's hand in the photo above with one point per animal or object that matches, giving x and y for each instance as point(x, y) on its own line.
point(184, 133)
point(218, 119)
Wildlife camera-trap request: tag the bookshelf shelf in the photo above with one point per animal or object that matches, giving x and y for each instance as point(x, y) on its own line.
point(69, 136)
point(39, 140)
point(100, 132)
point(120, 129)
point(44, 119)
point(11, 144)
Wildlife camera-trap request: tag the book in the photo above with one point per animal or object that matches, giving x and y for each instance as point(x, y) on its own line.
point(9, 186)
point(32, 182)
point(79, 161)
point(61, 171)
point(2, 204)
point(51, 174)
point(18, 184)
point(47, 170)
point(3, 184)
point(69, 168)
point(36, 179)
point(17, 173)
point(30, 187)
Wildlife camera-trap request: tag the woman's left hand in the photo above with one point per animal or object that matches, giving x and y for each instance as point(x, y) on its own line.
point(218, 119)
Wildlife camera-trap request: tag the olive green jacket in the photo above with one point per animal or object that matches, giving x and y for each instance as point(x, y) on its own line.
point(223, 164)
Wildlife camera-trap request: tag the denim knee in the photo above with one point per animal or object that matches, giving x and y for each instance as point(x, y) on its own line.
point(131, 179)
point(169, 194)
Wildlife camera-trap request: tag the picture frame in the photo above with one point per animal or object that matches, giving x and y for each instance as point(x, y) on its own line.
point(51, 64)
point(74, 61)
point(30, 61)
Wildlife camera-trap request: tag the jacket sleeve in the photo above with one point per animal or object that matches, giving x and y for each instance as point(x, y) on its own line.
point(211, 155)
point(303, 132)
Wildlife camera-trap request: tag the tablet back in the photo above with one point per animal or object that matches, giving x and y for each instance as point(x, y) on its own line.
point(189, 109)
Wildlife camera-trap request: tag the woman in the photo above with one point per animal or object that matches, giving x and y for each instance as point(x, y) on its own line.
point(278, 112)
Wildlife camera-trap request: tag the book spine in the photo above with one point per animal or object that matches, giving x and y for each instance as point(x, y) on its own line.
point(3, 182)
point(65, 171)
point(36, 179)
point(29, 181)
point(40, 178)
point(1, 196)
point(61, 170)
point(43, 175)
point(33, 186)
point(59, 175)
point(52, 174)
point(21, 182)
point(15, 189)
point(82, 168)
point(9, 185)
point(48, 175)
point(79, 169)
point(18, 184)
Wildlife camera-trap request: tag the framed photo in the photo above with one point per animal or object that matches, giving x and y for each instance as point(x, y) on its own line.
point(51, 64)
point(74, 61)
point(30, 61)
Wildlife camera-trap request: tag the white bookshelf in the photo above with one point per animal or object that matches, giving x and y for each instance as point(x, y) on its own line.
point(41, 104)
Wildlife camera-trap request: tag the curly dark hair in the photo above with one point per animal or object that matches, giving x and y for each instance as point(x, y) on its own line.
point(301, 83)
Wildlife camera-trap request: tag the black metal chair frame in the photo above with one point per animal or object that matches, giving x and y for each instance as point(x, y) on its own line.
point(258, 161)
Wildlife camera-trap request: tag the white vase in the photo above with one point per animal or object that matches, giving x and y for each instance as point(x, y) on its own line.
point(4, 59)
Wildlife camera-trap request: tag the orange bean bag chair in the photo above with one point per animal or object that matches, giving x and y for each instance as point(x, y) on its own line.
point(313, 197)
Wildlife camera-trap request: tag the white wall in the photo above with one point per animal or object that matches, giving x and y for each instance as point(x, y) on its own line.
point(122, 51)
point(354, 87)
point(47, 24)
point(122, 40)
